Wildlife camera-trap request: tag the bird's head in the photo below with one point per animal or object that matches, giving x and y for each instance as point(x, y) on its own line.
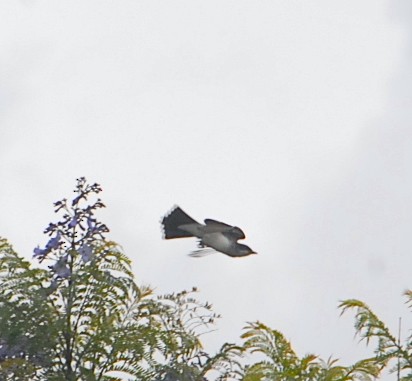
point(244, 250)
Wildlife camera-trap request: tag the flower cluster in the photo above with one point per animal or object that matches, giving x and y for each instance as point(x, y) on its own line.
point(75, 233)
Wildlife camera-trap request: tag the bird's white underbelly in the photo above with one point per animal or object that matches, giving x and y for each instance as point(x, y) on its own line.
point(216, 240)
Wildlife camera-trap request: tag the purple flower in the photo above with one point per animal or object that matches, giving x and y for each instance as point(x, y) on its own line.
point(86, 252)
point(53, 242)
point(90, 223)
point(73, 222)
point(60, 268)
point(77, 199)
point(39, 252)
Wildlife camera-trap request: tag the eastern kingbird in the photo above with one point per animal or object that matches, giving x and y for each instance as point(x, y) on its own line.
point(212, 235)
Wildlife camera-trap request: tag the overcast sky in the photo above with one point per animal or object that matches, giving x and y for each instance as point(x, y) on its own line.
point(290, 119)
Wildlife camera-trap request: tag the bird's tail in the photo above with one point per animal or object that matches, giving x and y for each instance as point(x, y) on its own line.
point(173, 220)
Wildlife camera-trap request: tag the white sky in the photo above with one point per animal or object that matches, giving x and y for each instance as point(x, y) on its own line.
point(290, 119)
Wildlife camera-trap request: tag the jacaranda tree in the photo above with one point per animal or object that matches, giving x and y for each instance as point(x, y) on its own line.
point(81, 315)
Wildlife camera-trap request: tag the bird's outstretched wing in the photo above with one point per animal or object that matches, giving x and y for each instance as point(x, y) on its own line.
point(218, 224)
point(232, 232)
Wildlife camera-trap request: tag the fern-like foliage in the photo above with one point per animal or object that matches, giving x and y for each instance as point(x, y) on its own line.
point(184, 320)
point(278, 361)
point(389, 349)
point(27, 332)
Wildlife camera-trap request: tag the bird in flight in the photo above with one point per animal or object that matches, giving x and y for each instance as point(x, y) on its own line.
point(213, 235)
